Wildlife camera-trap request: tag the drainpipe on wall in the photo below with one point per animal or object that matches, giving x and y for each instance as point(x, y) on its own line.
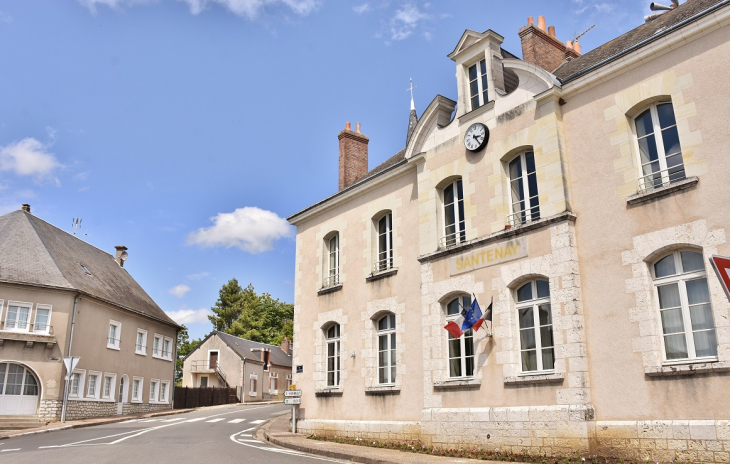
point(68, 354)
point(243, 382)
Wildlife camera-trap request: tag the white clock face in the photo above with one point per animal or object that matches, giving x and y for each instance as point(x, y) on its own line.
point(475, 137)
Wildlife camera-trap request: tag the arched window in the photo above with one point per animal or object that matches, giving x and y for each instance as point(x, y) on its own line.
point(461, 350)
point(454, 225)
point(332, 276)
point(333, 355)
point(660, 155)
point(385, 243)
point(523, 190)
point(688, 327)
point(386, 349)
point(536, 326)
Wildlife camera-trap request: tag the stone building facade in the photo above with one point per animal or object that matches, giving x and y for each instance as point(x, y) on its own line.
point(582, 195)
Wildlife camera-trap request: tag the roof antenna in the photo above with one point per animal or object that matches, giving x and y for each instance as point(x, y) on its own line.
point(575, 39)
point(76, 225)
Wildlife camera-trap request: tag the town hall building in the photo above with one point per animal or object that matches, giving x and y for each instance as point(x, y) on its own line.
point(584, 195)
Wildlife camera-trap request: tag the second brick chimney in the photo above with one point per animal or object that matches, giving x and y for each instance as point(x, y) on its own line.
point(542, 47)
point(353, 155)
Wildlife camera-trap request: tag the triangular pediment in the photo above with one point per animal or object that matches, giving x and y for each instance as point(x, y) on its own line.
point(469, 38)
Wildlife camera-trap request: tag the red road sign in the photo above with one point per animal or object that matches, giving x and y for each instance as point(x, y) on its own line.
point(722, 268)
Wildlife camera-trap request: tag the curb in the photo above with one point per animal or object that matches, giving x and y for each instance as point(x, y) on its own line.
point(117, 419)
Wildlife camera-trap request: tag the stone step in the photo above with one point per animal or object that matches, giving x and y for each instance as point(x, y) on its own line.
point(4, 419)
point(20, 425)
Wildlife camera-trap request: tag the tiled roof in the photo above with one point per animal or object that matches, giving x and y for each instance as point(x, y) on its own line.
point(243, 348)
point(635, 38)
point(35, 252)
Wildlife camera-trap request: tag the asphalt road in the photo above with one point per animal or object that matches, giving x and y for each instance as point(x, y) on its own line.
point(213, 436)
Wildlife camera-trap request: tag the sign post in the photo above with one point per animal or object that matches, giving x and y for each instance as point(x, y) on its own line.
point(721, 264)
point(293, 397)
point(70, 364)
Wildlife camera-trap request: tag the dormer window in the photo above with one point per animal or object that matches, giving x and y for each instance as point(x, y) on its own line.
point(478, 84)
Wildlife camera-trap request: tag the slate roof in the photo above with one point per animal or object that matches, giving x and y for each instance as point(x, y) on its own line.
point(635, 38)
point(35, 252)
point(243, 348)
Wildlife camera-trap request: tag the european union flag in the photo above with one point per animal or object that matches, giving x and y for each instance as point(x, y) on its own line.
point(473, 315)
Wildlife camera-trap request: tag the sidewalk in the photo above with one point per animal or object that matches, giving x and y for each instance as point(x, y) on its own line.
point(53, 426)
point(277, 431)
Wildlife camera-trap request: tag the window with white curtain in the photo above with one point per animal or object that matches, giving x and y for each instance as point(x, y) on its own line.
point(386, 349)
point(454, 223)
point(461, 350)
point(537, 350)
point(42, 322)
point(17, 316)
point(523, 189)
point(660, 155)
point(688, 326)
point(333, 355)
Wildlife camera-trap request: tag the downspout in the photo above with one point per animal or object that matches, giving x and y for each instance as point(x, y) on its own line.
point(243, 382)
point(68, 355)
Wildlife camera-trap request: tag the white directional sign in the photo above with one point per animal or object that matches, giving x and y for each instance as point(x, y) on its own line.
point(292, 401)
point(292, 393)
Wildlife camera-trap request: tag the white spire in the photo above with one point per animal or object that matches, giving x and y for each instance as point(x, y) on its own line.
point(413, 104)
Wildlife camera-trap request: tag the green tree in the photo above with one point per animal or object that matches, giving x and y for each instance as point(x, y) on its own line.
point(228, 308)
point(184, 347)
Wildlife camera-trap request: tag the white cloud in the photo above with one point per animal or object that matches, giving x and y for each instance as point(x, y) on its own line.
point(113, 4)
point(250, 229)
point(29, 157)
point(405, 20)
point(197, 276)
point(189, 316)
point(179, 290)
point(252, 8)
point(360, 9)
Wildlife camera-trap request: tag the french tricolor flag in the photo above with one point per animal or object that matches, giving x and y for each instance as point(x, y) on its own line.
point(471, 318)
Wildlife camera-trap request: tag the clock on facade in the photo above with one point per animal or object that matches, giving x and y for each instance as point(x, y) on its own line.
point(476, 137)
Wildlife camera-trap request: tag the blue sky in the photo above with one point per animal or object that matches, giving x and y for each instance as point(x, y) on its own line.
point(188, 129)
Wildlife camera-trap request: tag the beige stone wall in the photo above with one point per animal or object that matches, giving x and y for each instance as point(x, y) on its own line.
point(230, 364)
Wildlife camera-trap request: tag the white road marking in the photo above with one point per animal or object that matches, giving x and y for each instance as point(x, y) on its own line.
point(236, 421)
point(216, 420)
point(173, 420)
point(14, 449)
point(196, 419)
point(246, 440)
point(129, 421)
point(149, 420)
point(260, 421)
point(248, 430)
point(276, 450)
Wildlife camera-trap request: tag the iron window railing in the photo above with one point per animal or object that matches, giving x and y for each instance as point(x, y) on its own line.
point(383, 265)
point(661, 178)
point(452, 239)
point(525, 216)
point(331, 281)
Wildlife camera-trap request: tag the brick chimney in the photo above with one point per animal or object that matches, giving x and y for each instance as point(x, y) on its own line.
point(286, 346)
point(121, 255)
point(25, 207)
point(353, 155)
point(543, 48)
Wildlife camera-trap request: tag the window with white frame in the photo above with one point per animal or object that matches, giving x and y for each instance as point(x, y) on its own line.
point(523, 189)
point(461, 350)
point(454, 223)
point(157, 346)
point(17, 317)
point(107, 391)
point(288, 381)
point(252, 385)
point(140, 347)
point(42, 323)
point(93, 385)
point(332, 276)
point(164, 389)
point(478, 84)
point(688, 326)
point(537, 350)
point(386, 349)
point(167, 348)
point(137, 385)
point(115, 331)
point(384, 259)
point(660, 155)
point(76, 384)
point(333, 355)
point(153, 390)
point(274, 383)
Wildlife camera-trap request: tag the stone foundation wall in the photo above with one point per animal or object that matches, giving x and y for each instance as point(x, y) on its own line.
point(50, 410)
point(135, 408)
point(551, 430)
point(87, 409)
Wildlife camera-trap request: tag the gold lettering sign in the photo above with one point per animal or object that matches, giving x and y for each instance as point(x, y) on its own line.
point(488, 256)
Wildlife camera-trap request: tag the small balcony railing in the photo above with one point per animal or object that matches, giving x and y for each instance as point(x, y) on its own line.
point(526, 216)
point(452, 239)
point(661, 178)
point(331, 281)
point(383, 265)
point(201, 366)
point(20, 326)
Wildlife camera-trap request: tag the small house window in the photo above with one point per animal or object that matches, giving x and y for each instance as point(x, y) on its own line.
point(386, 349)
point(454, 224)
point(385, 244)
point(660, 154)
point(461, 350)
point(478, 84)
point(332, 277)
point(537, 351)
point(333, 355)
point(523, 190)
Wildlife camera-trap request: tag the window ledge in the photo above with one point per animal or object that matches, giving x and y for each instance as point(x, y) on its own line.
point(112, 347)
point(555, 377)
point(474, 113)
point(383, 390)
point(688, 369)
point(457, 384)
point(643, 197)
point(28, 338)
point(381, 275)
point(326, 290)
point(328, 392)
point(498, 236)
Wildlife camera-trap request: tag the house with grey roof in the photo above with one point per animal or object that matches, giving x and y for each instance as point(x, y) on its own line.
point(61, 297)
point(258, 371)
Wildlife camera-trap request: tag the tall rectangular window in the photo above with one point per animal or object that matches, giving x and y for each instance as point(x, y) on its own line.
point(17, 316)
point(385, 243)
point(523, 189)
point(42, 319)
point(537, 350)
point(386, 349)
point(660, 154)
point(333, 262)
point(75, 384)
point(140, 346)
point(115, 329)
point(333, 356)
point(454, 223)
point(461, 350)
point(93, 382)
point(108, 387)
point(478, 84)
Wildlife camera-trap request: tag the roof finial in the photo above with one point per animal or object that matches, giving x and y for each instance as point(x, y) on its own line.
point(413, 105)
